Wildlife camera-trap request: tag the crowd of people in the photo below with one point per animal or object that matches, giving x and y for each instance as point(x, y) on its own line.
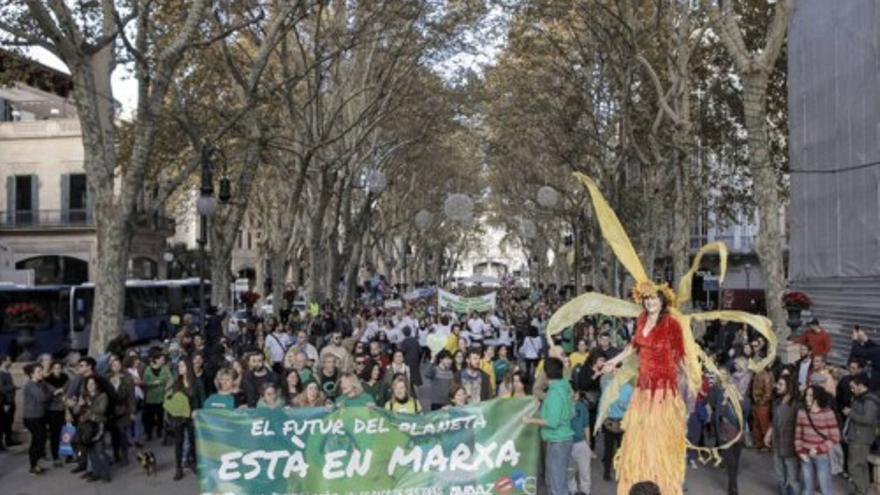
point(813, 420)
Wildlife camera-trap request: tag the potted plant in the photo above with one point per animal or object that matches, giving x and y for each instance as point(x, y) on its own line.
point(249, 298)
point(24, 317)
point(795, 303)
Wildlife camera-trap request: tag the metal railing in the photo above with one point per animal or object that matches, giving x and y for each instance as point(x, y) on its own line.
point(59, 219)
point(46, 219)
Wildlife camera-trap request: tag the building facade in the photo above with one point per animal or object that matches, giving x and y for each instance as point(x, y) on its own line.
point(47, 223)
point(834, 119)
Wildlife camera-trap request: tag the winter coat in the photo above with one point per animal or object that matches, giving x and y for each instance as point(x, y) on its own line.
point(784, 421)
point(862, 420)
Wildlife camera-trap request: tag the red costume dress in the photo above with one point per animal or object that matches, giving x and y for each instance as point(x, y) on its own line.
point(654, 441)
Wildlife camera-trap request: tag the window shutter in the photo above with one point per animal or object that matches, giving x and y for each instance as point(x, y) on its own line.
point(10, 199)
point(90, 203)
point(65, 198)
point(35, 199)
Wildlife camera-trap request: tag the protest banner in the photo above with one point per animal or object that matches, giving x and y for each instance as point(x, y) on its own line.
point(463, 305)
point(482, 448)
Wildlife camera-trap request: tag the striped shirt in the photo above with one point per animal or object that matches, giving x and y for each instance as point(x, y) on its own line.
point(822, 435)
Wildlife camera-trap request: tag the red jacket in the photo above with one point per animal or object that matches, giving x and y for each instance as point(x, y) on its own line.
point(818, 342)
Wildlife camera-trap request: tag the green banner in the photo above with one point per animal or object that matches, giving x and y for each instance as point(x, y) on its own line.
point(464, 305)
point(477, 449)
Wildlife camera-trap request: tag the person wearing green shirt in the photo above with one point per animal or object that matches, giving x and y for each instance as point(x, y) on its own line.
point(557, 411)
point(157, 377)
point(224, 398)
point(352, 392)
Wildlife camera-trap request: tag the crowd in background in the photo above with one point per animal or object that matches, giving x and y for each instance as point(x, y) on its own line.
point(814, 421)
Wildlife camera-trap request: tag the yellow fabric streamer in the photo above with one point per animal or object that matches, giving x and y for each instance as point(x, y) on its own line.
point(591, 303)
point(695, 358)
point(684, 286)
point(613, 231)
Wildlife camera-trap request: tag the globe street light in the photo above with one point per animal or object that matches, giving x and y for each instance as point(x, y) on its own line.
point(423, 219)
point(548, 197)
point(458, 207)
point(206, 205)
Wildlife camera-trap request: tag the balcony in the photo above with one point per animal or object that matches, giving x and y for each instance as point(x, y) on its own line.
point(46, 219)
point(76, 220)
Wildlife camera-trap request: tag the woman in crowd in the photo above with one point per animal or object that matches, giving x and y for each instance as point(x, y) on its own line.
point(36, 398)
point(226, 396)
point(135, 369)
point(501, 365)
point(780, 435)
point(292, 386)
point(401, 400)
point(157, 377)
point(458, 396)
point(311, 396)
point(514, 386)
point(93, 409)
point(487, 364)
point(119, 422)
point(531, 349)
point(371, 380)
point(458, 358)
point(398, 367)
point(351, 392)
point(57, 380)
point(816, 434)
point(581, 353)
point(184, 396)
point(269, 397)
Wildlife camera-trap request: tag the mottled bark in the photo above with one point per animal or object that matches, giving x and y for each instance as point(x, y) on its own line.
point(771, 237)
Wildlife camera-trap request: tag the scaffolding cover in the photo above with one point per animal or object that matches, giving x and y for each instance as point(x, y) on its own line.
point(834, 102)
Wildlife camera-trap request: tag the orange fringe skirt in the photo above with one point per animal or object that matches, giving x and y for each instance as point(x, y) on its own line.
point(654, 442)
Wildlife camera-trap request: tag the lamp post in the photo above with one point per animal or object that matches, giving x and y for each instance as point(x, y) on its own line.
point(206, 205)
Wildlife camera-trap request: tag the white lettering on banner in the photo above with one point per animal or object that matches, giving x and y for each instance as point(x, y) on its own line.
point(400, 458)
point(332, 463)
point(462, 458)
point(371, 426)
point(227, 465)
point(230, 469)
point(474, 422)
point(260, 428)
point(312, 426)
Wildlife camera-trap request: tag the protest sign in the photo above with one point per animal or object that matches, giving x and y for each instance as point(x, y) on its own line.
point(482, 448)
point(462, 305)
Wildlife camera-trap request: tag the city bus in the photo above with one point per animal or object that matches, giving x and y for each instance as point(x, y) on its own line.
point(149, 306)
point(50, 334)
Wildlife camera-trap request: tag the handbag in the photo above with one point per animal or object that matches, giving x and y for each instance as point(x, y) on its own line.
point(89, 432)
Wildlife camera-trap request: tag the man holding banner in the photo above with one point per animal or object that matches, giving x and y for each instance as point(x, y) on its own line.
point(557, 411)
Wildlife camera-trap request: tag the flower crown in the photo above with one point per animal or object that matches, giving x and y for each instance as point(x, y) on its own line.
point(646, 289)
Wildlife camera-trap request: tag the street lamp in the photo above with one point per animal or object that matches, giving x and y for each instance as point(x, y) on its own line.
point(206, 205)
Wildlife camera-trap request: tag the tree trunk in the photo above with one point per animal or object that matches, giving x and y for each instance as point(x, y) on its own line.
point(317, 256)
point(220, 260)
point(681, 230)
point(278, 272)
point(114, 239)
point(771, 237)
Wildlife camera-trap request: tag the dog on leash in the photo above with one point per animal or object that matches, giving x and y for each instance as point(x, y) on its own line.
point(147, 460)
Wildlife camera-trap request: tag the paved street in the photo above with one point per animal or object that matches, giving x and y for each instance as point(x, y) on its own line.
point(756, 477)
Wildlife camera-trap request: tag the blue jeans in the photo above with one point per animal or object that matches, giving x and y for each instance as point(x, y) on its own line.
point(557, 456)
point(817, 467)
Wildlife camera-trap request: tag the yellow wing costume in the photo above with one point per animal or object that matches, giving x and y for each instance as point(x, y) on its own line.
point(660, 459)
